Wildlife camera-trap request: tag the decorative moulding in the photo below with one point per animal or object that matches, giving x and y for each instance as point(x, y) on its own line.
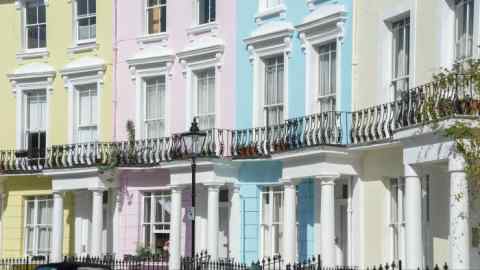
point(324, 23)
point(159, 56)
point(270, 37)
point(37, 72)
point(85, 47)
point(156, 39)
point(207, 28)
point(31, 54)
point(20, 3)
point(202, 47)
point(280, 10)
point(84, 65)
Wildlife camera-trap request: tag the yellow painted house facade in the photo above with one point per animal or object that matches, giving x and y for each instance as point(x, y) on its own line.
point(57, 91)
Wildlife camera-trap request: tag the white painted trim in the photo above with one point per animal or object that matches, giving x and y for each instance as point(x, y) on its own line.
point(141, 70)
point(323, 29)
point(265, 45)
point(193, 61)
point(265, 13)
point(71, 82)
point(22, 83)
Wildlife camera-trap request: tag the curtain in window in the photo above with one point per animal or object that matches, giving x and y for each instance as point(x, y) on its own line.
point(87, 113)
point(206, 99)
point(44, 226)
point(156, 16)
point(327, 77)
point(35, 28)
point(401, 56)
point(464, 19)
point(274, 73)
point(36, 111)
point(38, 222)
point(155, 107)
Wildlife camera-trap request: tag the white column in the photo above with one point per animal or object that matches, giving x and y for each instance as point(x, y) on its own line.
point(327, 218)
point(459, 226)
point(117, 196)
point(97, 223)
point(290, 223)
point(212, 220)
point(413, 219)
point(57, 227)
point(234, 224)
point(175, 227)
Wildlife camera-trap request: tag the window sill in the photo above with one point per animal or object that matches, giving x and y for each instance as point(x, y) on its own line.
point(202, 29)
point(160, 38)
point(32, 53)
point(83, 47)
point(270, 12)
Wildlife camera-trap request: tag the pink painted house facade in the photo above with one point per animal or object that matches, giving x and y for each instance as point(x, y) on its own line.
point(169, 70)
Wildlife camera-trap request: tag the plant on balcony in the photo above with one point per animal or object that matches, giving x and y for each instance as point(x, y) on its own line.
point(466, 137)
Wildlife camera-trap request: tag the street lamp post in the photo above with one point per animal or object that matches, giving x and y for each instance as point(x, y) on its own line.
point(193, 141)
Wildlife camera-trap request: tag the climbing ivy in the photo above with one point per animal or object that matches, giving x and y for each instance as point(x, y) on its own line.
point(465, 135)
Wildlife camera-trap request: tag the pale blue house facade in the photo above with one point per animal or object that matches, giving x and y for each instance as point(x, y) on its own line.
point(294, 59)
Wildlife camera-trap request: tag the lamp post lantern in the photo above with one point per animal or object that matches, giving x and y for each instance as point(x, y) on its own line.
point(193, 142)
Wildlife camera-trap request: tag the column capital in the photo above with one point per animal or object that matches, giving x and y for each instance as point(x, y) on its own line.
point(213, 185)
point(327, 179)
point(58, 193)
point(456, 163)
point(235, 188)
point(290, 181)
point(409, 171)
point(176, 188)
point(97, 189)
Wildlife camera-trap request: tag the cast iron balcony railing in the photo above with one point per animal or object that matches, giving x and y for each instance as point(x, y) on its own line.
point(421, 105)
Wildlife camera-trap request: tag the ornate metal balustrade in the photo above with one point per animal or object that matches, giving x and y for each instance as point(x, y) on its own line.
point(318, 129)
point(438, 100)
point(148, 152)
point(433, 101)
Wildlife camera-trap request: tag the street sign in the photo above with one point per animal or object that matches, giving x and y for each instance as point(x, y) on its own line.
point(191, 213)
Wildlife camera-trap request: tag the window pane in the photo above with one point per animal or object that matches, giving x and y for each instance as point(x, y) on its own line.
point(146, 235)
point(84, 28)
point(42, 36)
point(154, 20)
point(44, 236)
point(30, 212)
point(92, 6)
point(41, 14)
point(32, 35)
point(44, 213)
point(206, 99)
point(31, 11)
point(147, 209)
point(82, 7)
point(30, 239)
point(152, 3)
point(93, 27)
point(163, 18)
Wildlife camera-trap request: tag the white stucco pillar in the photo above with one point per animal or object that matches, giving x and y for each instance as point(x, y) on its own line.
point(234, 224)
point(97, 223)
point(175, 227)
point(459, 226)
point(57, 227)
point(117, 196)
point(290, 222)
point(212, 220)
point(327, 219)
point(413, 219)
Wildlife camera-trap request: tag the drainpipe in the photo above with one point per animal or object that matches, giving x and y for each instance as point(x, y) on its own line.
point(115, 68)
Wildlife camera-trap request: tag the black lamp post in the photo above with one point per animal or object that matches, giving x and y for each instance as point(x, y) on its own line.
point(193, 142)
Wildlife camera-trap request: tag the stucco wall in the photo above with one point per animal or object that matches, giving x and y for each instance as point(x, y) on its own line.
point(59, 39)
point(130, 27)
point(17, 188)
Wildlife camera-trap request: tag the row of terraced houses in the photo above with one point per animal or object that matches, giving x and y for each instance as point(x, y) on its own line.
point(316, 138)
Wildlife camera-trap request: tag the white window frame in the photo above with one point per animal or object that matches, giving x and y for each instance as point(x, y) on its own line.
point(197, 13)
point(145, 121)
point(319, 31)
point(271, 191)
point(260, 48)
point(332, 94)
point(72, 81)
point(25, 26)
point(195, 106)
point(140, 70)
point(25, 115)
point(397, 252)
point(193, 62)
point(77, 19)
point(395, 80)
point(153, 195)
point(36, 200)
point(160, 6)
point(77, 111)
point(273, 106)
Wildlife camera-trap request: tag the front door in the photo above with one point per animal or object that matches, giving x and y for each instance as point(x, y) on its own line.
point(224, 214)
point(341, 231)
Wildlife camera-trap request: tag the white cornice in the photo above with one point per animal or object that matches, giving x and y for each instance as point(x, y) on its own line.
point(151, 56)
point(270, 31)
point(202, 47)
point(322, 17)
point(84, 65)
